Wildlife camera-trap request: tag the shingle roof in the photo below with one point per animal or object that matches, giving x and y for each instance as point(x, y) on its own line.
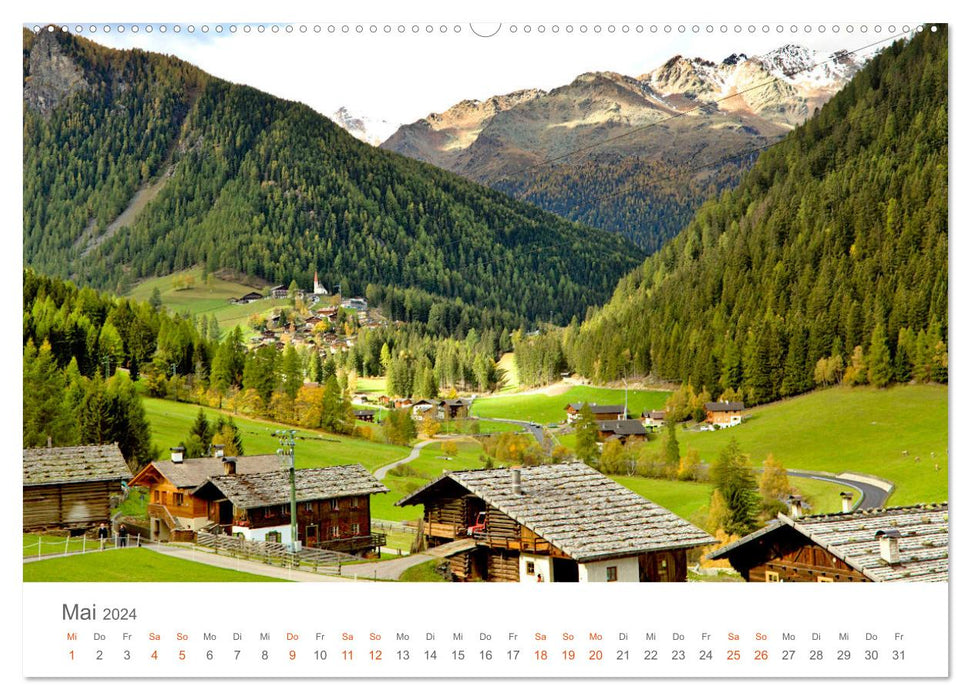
point(654, 415)
point(923, 540)
point(724, 406)
point(314, 484)
point(578, 510)
point(192, 472)
point(621, 427)
point(71, 465)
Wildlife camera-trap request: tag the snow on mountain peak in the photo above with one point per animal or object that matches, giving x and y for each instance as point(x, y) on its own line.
point(367, 129)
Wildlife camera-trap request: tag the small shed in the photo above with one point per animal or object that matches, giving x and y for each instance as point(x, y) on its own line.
point(71, 487)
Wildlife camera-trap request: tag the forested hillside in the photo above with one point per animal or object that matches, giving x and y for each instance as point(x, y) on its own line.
point(138, 164)
point(828, 262)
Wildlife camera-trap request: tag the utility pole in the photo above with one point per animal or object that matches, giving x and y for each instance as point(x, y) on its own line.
point(286, 453)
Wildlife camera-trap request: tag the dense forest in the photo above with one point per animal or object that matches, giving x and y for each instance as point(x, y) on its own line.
point(84, 350)
point(235, 179)
point(648, 201)
point(827, 263)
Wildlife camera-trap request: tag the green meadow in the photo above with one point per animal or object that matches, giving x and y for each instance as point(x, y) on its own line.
point(171, 421)
point(545, 409)
point(898, 433)
point(132, 564)
point(209, 299)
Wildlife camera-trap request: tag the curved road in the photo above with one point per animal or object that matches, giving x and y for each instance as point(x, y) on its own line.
point(872, 496)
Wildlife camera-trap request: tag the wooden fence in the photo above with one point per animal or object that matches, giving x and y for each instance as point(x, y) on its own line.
point(322, 561)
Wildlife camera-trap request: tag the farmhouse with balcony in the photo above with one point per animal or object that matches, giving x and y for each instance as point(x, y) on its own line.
point(623, 430)
point(724, 414)
point(555, 522)
point(908, 543)
point(71, 487)
point(600, 412)
point(333, 506)
point(174, 513)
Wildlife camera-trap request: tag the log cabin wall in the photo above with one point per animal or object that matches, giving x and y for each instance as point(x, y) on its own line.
point(809, 563)
point(501, 526)
point(666, 565)
point(502, 565)
point(67, 505)
point(341, 513)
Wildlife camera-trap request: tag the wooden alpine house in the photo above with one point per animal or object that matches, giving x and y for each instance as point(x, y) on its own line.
point(333, 506)
point(559, 522)
point(174, 513)
point(71, 487)
point(907, 543)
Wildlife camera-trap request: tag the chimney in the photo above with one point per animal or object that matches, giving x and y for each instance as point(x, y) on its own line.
point(847, 499)
point(889, 546)
point(218, 451)
point(517, 480)
point(795, 507)
point(229, 466)
point(178, 453)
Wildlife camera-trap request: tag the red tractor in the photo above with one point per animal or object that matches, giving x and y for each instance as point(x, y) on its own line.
point(479, 527)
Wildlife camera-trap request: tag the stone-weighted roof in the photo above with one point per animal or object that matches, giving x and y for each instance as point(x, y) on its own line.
point(578, 510)
point(189, 473)
point(71, 465)
point(852, 537)
point(273, 488)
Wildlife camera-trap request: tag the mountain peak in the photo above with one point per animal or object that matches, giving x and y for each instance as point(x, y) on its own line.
point(366, 129)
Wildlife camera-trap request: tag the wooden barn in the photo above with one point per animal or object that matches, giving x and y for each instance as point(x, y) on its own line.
point(600, 412)
point(333, 506)
point(174, 513)
point(907, 543)
point(71, 487)
point(559, 522)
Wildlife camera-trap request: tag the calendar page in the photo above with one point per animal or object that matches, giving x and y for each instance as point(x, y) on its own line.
point(435, 345)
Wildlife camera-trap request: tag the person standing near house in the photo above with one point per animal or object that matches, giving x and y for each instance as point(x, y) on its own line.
point(539, 578)
point(103, 533)
point(122, 536)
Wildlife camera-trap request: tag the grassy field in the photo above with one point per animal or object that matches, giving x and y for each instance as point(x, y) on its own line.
point(859, 430)
point(204, 299)
point(170, 423)
point(428, 466)
point(544, 409)
point(423, 573)
point(689, 499)
point(372, 385)
point(508, 363)
point(130, 565)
